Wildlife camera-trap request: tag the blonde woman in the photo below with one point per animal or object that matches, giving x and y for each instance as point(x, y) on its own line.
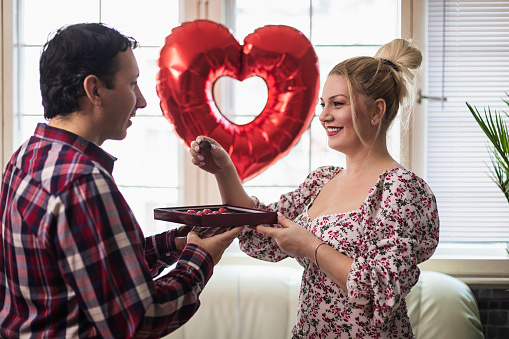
point(359, 231)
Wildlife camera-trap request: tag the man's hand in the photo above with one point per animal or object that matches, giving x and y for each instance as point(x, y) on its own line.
point(216, 244)
point(181, 236)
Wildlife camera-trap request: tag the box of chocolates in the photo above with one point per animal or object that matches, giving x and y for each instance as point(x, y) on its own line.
point(215, 215)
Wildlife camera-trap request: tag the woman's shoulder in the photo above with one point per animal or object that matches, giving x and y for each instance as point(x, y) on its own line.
point(319, 177)
point(325, 172)
point(401, 174)
point(401, 179)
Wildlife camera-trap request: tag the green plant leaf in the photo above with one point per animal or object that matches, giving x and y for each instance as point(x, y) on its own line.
point(494, 127)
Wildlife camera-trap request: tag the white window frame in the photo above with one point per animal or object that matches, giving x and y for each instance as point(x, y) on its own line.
point(6, 94)
point(200, 187)
point(478, 265)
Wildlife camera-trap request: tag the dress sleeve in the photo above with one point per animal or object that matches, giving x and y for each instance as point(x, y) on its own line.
point(102, 257)
point(401, 231)
point(290, 205)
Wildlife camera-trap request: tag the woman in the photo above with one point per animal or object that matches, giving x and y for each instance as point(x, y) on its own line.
point(358, 231)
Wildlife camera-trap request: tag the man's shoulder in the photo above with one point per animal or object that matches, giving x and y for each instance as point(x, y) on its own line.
point(54, 165)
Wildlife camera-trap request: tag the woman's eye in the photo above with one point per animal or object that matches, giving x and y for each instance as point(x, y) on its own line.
point(322, 104)
point(337, 104)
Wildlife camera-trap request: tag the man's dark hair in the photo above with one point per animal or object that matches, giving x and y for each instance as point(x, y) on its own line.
point(73, 53)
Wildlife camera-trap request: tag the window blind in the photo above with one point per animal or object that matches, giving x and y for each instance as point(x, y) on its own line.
point(468, 51)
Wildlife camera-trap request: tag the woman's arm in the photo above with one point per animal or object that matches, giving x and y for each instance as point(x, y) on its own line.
point(218, 162)
point(230, 187)
point(402, 232)
point(334, 264)
point(296, 241)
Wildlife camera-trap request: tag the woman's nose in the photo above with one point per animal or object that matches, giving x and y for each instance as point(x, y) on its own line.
point(324, 114)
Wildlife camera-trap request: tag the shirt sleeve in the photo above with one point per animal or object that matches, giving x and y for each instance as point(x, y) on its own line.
point(290, 205)
point(400, 233)
point(102, 257)
point(160, 251)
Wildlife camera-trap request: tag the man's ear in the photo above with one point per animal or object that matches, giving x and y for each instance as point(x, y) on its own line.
point(93, 87)
point(379, 111)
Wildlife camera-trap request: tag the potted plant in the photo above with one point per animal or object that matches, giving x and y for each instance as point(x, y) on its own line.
point(497, 131)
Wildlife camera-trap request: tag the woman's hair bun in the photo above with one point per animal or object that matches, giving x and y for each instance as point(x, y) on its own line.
point(403, 54)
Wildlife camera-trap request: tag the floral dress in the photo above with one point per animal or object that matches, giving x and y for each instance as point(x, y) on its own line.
point(394, 230)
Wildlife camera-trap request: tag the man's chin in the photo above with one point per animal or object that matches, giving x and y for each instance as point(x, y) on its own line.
point(118, 137)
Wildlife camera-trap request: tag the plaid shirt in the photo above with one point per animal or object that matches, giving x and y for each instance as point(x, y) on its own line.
point(74, 263)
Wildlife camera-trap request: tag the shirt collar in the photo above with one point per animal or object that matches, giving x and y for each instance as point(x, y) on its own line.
point(80, 144)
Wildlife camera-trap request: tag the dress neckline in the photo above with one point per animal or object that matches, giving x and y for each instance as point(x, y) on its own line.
point(371, 189)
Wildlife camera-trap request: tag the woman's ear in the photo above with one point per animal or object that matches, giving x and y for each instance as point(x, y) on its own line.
point(93, 89)
point(378, 112)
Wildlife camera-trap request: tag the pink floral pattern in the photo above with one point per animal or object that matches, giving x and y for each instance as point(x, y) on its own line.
point(394, 230)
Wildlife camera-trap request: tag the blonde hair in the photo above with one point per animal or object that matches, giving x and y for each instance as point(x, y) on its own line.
point(389, 75)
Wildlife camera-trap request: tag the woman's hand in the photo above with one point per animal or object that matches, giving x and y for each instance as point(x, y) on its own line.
point(213, 160)
point(217, 161)
point(296, 241)
point(292, 238)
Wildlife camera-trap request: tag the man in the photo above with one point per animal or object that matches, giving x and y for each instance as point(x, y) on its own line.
point(74, 262)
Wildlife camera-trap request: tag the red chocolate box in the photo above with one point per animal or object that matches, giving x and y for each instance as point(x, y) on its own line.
point(215, 215)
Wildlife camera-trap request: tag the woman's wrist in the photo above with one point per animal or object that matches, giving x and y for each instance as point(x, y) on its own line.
point(231, 189)
point(312, 244)
point(227, 173)
point(315, 253)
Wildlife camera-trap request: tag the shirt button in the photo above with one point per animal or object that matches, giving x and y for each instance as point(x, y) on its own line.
point(168, 254)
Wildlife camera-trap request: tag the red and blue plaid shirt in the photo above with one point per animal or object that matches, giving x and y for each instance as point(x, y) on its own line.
point(74, 262)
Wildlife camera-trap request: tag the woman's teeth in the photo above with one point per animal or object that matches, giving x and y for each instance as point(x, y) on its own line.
point(334, 129)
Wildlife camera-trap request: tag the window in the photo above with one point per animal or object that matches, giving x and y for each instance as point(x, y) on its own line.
point(153, 171)
point(337, 31)
point(146, 169)
point(467, 48)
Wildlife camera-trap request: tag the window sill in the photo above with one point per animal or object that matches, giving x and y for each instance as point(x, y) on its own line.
point(477, 265)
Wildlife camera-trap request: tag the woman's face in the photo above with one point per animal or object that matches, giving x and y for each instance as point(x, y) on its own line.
point(336, 116)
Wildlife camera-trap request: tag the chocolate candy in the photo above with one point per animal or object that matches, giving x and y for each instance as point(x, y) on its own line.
point(205, 145)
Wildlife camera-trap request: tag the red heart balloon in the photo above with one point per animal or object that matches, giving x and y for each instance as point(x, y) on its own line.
point(197, 53)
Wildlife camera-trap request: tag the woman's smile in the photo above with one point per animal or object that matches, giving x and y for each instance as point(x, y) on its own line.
point(331, 131)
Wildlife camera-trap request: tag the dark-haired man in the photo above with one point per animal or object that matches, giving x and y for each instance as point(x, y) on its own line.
point(74, 262)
